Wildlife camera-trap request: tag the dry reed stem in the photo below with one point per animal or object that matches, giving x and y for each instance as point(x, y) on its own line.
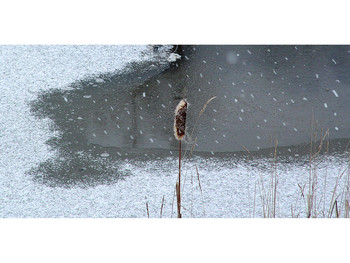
point(334, 193)
point(321, 144)
point(205, 105)
point(254, 198)
point(191, 207)
point(276, 179)
point(309, 195)
point(269, 196)
point(347, 194)
point(147, 209)
point(302, 190)
point(195, 124)
point(313, 179)
point(335, 205)
point(178, 200)
point(200, 188)
point(192, 148)
point(245, 148)
point(262, 196)
point(161, 207)
point(172, 203)
point(178, 186)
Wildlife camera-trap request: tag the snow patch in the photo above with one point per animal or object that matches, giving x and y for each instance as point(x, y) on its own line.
point(173, 57)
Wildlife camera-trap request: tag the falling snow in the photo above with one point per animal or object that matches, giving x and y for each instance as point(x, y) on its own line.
point(335, 93)
point(138, 171)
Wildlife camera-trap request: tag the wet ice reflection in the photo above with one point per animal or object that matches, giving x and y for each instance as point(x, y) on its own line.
point(263, 94)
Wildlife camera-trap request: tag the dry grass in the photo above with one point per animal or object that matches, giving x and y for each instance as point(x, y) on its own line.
point(269, 196)
point(314, 194)
point(315, 150)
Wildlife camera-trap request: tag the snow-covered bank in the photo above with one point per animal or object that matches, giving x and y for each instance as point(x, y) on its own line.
point(24, 72)
point(221, 189)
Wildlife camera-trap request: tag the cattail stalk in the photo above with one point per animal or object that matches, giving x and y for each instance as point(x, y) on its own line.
point(179, 133)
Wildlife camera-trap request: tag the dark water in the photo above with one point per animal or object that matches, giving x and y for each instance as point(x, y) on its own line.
point(263, 94)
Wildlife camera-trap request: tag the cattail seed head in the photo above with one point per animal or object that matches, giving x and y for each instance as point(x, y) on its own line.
point(180, 120)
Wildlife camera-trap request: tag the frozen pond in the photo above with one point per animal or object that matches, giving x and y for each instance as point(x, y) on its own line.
point(86, 131)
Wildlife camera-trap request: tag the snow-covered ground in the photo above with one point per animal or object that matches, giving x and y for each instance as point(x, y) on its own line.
point(24, 72)
point(230, 187)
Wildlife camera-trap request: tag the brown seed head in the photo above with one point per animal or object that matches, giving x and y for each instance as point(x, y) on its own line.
point(180, 120)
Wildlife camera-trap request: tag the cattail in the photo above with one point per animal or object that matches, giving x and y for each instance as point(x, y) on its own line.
point(180, 120)
point(179, 132)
